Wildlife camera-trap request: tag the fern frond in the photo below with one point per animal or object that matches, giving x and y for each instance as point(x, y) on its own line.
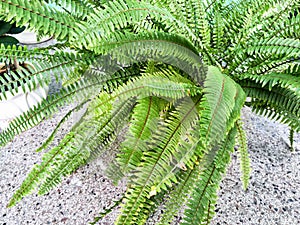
point(78, 8)
point(277, 97)
point(219, 101)
point(84, 144)
point(39, 17)
point(243, 154)
point(200, 206)
point(41, 66)
point(79, 91)
point(145, 113)
point(51, 137)
point(155, 162)
point(103, 23)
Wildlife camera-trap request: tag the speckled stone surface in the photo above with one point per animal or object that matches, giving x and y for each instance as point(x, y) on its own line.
point(273, 196)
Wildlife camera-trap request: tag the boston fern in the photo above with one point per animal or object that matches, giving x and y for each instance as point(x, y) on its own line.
point(171, 76)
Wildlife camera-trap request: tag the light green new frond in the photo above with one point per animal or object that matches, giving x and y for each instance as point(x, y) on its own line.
point(109, 128)
point(201, 204)
point(155, 86)
point(156, 162)
point(218, 102)
point(144, 118)
point(243, 154)
point(95, 131)
point(40, 17)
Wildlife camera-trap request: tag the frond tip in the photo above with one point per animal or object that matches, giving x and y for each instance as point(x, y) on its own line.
point(244, 155)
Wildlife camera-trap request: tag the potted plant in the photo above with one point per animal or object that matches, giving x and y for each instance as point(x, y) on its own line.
point(175, 74)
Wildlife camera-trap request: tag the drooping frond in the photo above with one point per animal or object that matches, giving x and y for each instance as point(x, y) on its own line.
point(201, 205)
point(38, 68)
point(219, 101)
point(39, 16)
point(79, 91)
point(243, 154)
point(278, 103)
point(144, 119)
point(168, 48)
point(156, 162)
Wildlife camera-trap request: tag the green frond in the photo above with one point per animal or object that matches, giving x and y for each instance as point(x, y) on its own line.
point(144, 118)
point(201, 204)
point(169, 48)
point(85, 143)
point(39, 16)
point(178, 196)
point(217, 41)
point(105, 22)
point(155, 163)
point(155, 86)
point(288, 28)
point(286, 98)
point(276, 79)
point(78, 8)
point(79, 91)
point(40, 65)
point(51, 137)
point(276, 46)
point(243, 154)
point(219, 101)
point(276, 112)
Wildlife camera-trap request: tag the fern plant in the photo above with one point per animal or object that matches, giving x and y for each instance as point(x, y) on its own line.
point(175, 74)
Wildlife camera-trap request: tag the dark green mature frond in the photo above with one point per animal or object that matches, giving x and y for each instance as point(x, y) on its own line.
point(168, 48)
point(103, 23)
point(201, 205)
point(243, 154)
point(276, 79)
point(277, 96)
point(39, 16)
point(277, 103)
point(289, 28)
point(278, 113)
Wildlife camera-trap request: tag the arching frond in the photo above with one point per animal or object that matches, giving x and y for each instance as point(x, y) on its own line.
point(201, 205)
